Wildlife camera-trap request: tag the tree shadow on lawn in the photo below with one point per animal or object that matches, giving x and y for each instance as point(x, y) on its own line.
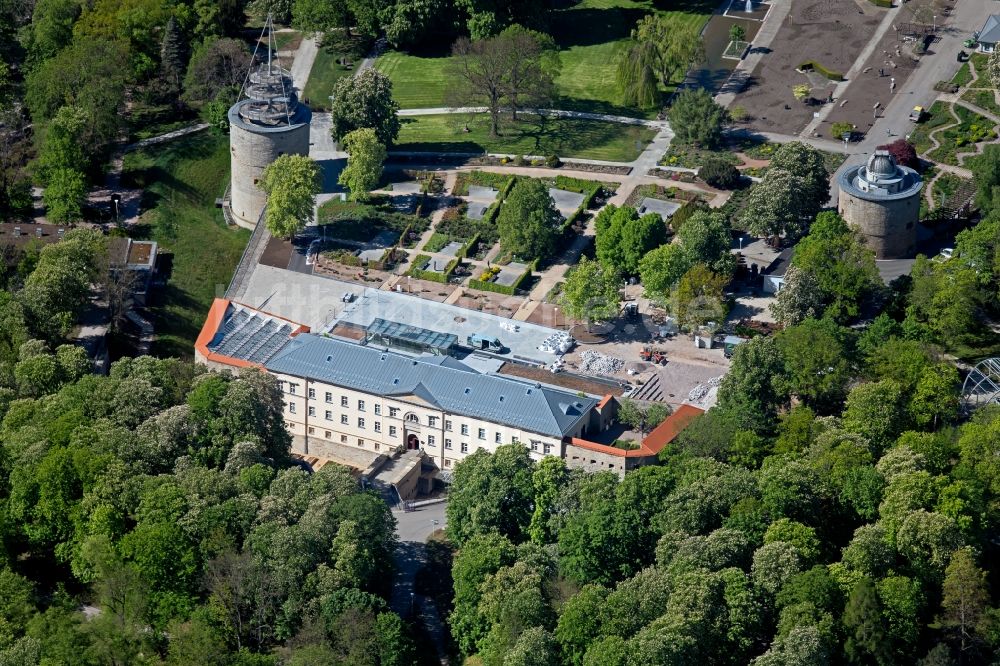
point(590, 27)
point(176, 320)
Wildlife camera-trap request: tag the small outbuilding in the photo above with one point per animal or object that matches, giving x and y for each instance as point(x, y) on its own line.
point(989, 36)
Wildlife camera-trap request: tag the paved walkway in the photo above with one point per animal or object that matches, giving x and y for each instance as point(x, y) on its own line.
point(303, 61)
point(163, 138)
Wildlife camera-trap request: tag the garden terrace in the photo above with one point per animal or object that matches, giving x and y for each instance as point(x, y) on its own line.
point(361, 222)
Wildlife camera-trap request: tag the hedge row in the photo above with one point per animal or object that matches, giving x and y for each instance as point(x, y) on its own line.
point(432, 276)
point(882, 3)
point(588, 201)
point(463, 251)
point(815, 66)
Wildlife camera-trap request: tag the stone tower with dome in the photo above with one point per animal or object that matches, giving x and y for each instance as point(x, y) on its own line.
point(882, 199)
point(266, 122)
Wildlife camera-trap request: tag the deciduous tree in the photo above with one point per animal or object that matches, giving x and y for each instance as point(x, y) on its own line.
point(528, 220)
point(291, 183)
point(697, 119)
point(364, 164)
point(361, 101)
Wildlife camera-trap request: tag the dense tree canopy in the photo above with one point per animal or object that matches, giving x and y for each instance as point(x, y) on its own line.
point(528, 221)
point(364, 101)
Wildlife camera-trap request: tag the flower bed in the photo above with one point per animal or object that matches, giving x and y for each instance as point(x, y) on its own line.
point(692, 158)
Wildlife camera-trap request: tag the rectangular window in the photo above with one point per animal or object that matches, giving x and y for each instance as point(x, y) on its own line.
point(534, 444)
point(361, 405)
point(361, 423)
point(447, 443)
point(482, 433)
point(328, 434)
point(465, 429)
point(447, 462)
point(393, 411)
point(496, 437)
point(378, 409)
point(378, 426)
point(430, 440)
point(312, 411)
point(343, 439)
point(465, 447)
point(292, 388)
point(447, 425)
point(291, 408)
point(376, 446)
point(432, 421)
point(312, 394)
point(343, 419)
point(343, 401)
point(548, 449)
point(328, 396)
point(312, 430)
point(514, 439)
point(361, 442)
point(328, 415)
point(392, 431)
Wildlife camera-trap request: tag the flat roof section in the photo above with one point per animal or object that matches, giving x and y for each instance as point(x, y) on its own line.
point(412, 335)
point(317, 302)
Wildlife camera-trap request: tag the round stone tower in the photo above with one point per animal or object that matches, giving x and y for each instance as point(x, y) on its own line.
point(267, 123)
point(882, 199)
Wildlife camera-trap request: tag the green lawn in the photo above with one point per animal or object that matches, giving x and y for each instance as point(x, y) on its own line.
point(589, 35)
point(325, 72)
point(181, 180)
point(565, 137)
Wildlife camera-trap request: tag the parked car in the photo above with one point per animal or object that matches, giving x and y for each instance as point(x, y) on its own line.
point(917, 114)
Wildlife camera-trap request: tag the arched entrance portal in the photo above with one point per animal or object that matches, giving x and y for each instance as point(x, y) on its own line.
point(412, 442)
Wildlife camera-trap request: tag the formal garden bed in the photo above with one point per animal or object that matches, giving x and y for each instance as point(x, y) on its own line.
point(663, 193)
point(961, 137)
point(431, 182)
point(984, 98)
point(686, 157)
point(361, 222)
point(502, 182)
point(937, 117)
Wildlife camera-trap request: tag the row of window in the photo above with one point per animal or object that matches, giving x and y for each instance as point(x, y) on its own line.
point(343, 438)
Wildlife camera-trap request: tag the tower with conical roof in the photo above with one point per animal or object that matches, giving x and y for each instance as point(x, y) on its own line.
point(266, 121)
point(882, 199)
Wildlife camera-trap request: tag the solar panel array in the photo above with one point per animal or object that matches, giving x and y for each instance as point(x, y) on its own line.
point(250, 336)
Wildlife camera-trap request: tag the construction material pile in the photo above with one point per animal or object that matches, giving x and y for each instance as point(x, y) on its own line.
point(701, 390)
point(599, 364)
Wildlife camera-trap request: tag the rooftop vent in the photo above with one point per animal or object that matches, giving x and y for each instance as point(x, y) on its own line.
point(329, 359)
point(467, 390)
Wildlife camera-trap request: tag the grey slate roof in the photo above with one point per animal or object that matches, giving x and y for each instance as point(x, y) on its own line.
point(493, 398)
point(990, 34)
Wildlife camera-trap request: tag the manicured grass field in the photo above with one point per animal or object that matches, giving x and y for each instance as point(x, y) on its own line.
point(565, 137)
point(589, 35)
point(181, 181)
point(325, 72)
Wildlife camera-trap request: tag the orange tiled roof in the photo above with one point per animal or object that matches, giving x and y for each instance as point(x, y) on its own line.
point(654, 442)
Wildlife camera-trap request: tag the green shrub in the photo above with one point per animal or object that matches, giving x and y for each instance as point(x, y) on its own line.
point(815, 66)
point(552, 161)
point(838, 130)
point(882, 3)
point(719, 173)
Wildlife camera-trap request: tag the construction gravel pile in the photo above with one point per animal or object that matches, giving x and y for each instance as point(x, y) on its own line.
point(701, 390)
point(599, 364)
